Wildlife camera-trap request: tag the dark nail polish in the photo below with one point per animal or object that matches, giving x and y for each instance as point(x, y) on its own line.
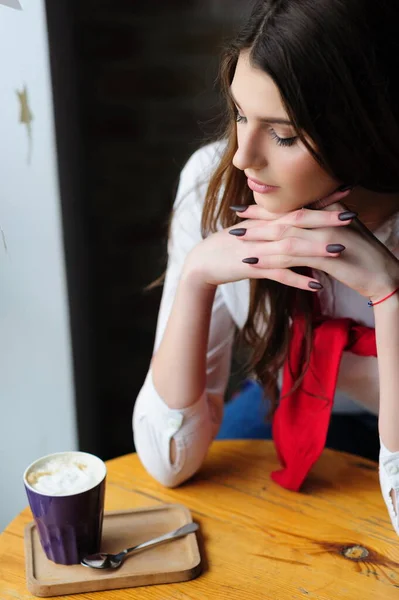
point(333, 248)
point(238, 231)
point(251, 261)
point(347, 215)
point(314, 285)
point(239, 208)
point(345, 187)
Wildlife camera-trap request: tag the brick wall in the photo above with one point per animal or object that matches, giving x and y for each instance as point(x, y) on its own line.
point(146, 73)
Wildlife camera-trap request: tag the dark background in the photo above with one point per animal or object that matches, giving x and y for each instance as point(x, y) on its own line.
point(134, 96)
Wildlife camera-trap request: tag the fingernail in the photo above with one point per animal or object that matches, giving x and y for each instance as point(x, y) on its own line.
point(333, 248)
point(347, 215)
point(239, 208)
point(315, 285)
point(251, 261)
point(238, 231)
point(345, 187)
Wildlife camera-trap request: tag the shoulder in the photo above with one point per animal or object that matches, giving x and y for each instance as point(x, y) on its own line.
point(190, 198)
point(194, 181)
point(202, 164)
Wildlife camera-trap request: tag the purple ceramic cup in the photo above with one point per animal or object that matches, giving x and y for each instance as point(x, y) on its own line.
point(66, 495)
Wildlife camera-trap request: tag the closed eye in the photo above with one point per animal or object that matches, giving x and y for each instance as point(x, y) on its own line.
point(290, 141)
point(280, 141)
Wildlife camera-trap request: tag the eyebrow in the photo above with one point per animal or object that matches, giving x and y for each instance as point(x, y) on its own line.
point(273, 120)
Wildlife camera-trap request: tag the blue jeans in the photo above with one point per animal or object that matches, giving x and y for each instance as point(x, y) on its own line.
point(244, 415)
point(244, 418)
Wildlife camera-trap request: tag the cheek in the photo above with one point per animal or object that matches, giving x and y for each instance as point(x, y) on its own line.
point(303, 175)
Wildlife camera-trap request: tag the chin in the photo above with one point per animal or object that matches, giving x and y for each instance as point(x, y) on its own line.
point(274, 205)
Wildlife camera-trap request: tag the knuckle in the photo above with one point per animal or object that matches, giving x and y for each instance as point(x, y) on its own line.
point(284, 261)
point(254, 233)
point(299, 216)
point(288, 245)
point(277, 231)
point(254, 249)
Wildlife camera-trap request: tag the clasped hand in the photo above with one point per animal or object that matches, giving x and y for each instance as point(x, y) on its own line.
point(344, 249)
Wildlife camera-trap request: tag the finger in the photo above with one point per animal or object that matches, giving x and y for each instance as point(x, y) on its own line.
point(282, 261)
point(330, 199)
point(257, 230)
point(355, 223)
point(335, 206)
point(271, 232)
point(304, 217)
point(260, 231)
point(293, 246)
point(286, 277)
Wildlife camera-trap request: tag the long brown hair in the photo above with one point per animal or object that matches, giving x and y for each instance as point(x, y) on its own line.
point(271, 303)
point(336, 64)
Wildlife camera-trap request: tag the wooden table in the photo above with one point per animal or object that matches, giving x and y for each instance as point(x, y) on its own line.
point(332, 541)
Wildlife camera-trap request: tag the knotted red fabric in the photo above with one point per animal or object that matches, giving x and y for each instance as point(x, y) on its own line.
point(301, 421)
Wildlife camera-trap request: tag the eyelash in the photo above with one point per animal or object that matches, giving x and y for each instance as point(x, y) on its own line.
point(286, 142)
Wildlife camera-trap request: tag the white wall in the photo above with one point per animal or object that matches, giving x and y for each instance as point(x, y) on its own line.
point(36, 392)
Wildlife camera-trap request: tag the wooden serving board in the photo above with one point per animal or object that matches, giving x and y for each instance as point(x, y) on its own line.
point(178, 560)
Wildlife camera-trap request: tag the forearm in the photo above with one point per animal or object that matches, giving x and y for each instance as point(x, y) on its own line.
point(387, 338)
point(179, 364)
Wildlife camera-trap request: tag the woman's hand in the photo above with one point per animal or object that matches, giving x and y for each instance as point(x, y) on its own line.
point(365, 264)
point(277, 242)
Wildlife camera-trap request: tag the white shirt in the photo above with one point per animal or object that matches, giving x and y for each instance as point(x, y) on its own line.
point(194, 428)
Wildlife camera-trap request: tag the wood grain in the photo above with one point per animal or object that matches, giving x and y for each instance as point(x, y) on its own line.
point(175, 561)
point(332, 541)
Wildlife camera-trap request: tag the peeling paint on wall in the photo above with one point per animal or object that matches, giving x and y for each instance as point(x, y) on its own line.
point(3, 237)
point(26, 117)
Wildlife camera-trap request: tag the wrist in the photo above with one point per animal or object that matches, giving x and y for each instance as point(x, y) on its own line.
point(388, 305)
point(388, 292)
point(194, 275)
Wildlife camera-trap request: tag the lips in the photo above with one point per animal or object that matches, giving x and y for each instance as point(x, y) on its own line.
point(260, 182)
point(258, 186)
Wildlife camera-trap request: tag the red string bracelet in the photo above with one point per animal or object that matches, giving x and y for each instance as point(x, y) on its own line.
point(370, 303)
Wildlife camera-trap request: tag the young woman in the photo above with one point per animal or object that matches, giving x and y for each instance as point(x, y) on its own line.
point(287, 231)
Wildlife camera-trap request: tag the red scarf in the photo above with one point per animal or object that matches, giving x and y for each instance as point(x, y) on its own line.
point(301, 421)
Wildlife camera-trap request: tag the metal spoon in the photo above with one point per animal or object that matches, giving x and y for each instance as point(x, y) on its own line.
point(102, 560)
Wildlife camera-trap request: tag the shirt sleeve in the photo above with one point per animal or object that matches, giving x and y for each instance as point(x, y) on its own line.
point(192, 428)
point(389, 481)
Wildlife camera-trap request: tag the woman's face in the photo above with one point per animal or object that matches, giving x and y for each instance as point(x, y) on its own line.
point(268, 151)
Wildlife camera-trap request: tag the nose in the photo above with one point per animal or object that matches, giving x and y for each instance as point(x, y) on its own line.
point(249, 154)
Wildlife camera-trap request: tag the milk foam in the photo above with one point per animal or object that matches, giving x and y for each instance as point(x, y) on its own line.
point(65, 474)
